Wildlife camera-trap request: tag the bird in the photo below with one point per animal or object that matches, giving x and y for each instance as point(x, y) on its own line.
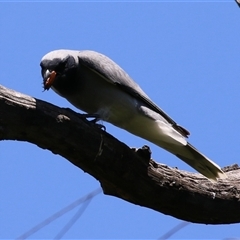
point(98, 86)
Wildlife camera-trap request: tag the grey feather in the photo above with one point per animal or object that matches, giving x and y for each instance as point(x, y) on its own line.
point(95, 84)
point(111, 72)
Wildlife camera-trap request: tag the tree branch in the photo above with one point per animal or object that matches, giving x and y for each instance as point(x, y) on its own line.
point(126, 173)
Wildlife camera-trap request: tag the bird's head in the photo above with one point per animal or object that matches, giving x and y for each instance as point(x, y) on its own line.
point(58, 69)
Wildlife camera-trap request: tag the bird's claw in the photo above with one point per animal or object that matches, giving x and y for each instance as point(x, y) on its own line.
point(95, 119)
point(100, 126)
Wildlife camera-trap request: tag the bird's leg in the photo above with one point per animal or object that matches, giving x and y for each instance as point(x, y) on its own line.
point(95, 119)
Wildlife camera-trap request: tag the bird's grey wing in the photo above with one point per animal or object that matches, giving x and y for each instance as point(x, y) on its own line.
point(114, 74)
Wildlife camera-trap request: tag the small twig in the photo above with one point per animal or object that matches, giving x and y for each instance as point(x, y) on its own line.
point(59, 214)
point(100, 150)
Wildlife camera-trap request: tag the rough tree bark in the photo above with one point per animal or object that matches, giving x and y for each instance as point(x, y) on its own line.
point(123, 172)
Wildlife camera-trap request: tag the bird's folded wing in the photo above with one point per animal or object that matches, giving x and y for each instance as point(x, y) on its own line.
point(114, 74)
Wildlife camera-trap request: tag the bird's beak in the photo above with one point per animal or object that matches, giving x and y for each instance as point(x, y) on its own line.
point(48, 79)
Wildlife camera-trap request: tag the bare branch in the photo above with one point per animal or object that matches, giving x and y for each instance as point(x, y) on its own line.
point(126, 173)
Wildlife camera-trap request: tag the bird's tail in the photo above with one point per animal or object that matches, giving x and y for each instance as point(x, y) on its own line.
point(198, 161)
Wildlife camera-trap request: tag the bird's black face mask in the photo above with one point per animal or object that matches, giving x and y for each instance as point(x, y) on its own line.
point(58, 73)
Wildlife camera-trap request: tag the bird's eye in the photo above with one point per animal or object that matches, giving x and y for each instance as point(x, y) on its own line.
point(60, 67)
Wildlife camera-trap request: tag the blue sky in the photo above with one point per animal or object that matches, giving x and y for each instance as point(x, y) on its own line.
point(184, 55)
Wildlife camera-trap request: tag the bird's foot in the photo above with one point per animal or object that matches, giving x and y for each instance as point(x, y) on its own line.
point(95, 119)
point(100, 126)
